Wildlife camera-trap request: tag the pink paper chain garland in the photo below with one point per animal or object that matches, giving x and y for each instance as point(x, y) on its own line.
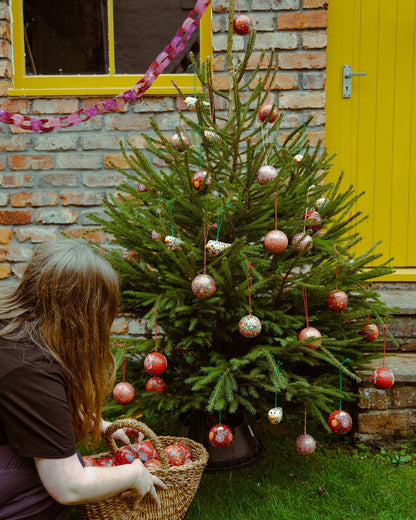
point(157, 67)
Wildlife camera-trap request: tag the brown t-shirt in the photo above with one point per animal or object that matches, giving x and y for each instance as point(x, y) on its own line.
point(35, 420)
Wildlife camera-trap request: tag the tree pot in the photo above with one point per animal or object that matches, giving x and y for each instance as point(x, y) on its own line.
point(244, 449)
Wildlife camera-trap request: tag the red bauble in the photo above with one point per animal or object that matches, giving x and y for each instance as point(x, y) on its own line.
point(313, 220)
point(106, 461)
point(152, 463)
point(310, 333)
point(337, 300)
point(266, 110)
point(89, 461)
point(156, 384)
point(176, 454)
point(340, 422)
point(382, 378)
point(369, 332)
point(145, 451)
point(155, 363)
point(125, 455)
point(242, 24)
point(220, 435)
point(123, 392)
point(276, 241)
point(305, 444)
point(201, 179)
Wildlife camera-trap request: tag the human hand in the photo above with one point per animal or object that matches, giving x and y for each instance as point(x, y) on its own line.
point(123, 434)
point(145, 483)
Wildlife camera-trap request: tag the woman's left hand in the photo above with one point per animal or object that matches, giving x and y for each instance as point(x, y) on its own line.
point(123, 434)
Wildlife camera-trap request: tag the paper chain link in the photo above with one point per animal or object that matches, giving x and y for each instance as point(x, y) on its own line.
point(157, 67)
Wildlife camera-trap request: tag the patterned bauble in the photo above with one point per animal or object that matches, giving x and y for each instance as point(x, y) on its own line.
point(275, 415)
point(89, 461)
point(276, 241)
point(305, 444)
point(180, 142)
point(201, 180)
point(266, 174)
point(176, 454)
point(337, 300)
point(298, 158)
point(242, 24)
point(156, 384)
point(214, 247)
point(310, 333)
point(145, 451)
point(190, 102)
point(267, 110)
point(382, 378)
point(125, 455)
point(123, 392)
point(313, 220)
point(203, 286)
point(302, 242)
point(320, 203)
point(172, 242)
point(212, 136)
point(369, 332)
point(106, 461)
point(220, 435)
point(320, 233)
point(152, 463)
point(340, 422)
point(249, 326)
point(130, 256)
point(155, 363)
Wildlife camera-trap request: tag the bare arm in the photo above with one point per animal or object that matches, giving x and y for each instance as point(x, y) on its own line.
point(68, 482)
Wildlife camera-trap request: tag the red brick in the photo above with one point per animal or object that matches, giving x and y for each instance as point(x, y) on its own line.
point(281, 81)
point(75, 198)
point(221, 82)
point(5, 84)
point(15, 180)
point(120, 326)
point(118, 160)
point(314, 39)
point(5, 49)
point(19, 269)
point(128, 122)
point(16, 253)
point(387, 422)
point(301, 100)
point(313, 80)
point(302, 60)
point(14, 143)
point(6, 69)
point(5, 11)
point(5, 31)
point(60, 179)
point(307, 20)
point(37, 198)
point(6, 235)
point(37, 234)
point(218, 63)
point(92, 101)
point(94, 235)
point(56, 216)
point(31, 162)
point(4, 271)
point(315, 4)
point(20, 106)
point(16, 217)
point(100, 180)
point(55, 106)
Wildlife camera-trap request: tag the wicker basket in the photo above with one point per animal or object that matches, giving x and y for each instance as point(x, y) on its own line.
point(182, 482)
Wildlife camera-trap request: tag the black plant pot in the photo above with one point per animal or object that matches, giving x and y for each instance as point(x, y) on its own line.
point(244, 449)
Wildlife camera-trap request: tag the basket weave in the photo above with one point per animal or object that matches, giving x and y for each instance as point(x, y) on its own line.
point(181, 482)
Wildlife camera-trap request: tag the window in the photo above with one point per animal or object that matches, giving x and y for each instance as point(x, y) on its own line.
point(100, 47)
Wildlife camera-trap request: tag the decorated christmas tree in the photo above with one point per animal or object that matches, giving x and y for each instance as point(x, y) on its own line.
point(241, 258)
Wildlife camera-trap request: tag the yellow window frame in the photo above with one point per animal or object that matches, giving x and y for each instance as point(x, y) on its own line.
point(106, 84)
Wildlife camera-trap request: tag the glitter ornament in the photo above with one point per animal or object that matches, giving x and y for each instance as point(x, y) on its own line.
point(310, 333)
point(369, 332)
point(249, 326)
point(203, 286)
point(220, 435)
point(212, 136)
point(152, 463)
point(125, 455)
point(180, 142)
point(320, 203)
point(276, 241)
point(337, 300)
point(266, 110)
point(155, 363)
point(275, 415)
point(302, 242)
point(340, 422)
point(298, 158)
point(214, 247)
point(201, 179)
point(313, 220)
point(176, 454)
point(266, 174)
point(173, 243)
point(123, 392)
point(242, 24)
point(382, 378)
point(305, 444)
point(156, 384)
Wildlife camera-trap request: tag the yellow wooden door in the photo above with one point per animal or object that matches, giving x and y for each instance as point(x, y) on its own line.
point(374, 131)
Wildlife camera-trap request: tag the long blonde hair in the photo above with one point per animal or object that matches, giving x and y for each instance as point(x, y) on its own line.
point(66, 302)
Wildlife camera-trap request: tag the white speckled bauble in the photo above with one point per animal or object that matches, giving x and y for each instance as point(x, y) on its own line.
point(337, 300)
point(173, 243)
point(180, 142)
point(215, 247)
point(265, 111)
point(302, 242)
point(276, 241)
point(320, 203)
point(305, 444)
point(266, 174)
point(275, 415)
point(249, 326)
point(310, 333)
point(203, 286)
point(123, 392)
point(298, 158)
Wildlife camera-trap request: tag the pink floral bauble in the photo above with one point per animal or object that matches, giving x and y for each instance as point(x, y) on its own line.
point(266, 174)
point(123, 392)
point(305, 444)
point(310, 333)
point(249, 326)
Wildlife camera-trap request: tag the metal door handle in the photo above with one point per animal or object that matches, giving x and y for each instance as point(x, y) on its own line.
point(346, 80)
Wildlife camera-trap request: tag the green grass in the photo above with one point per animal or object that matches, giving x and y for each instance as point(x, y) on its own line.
point(337, 482)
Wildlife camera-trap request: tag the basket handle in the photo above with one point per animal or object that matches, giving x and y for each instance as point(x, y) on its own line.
point(141, 427)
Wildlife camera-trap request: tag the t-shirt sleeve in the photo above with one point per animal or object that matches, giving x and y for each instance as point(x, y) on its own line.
point(35, 413)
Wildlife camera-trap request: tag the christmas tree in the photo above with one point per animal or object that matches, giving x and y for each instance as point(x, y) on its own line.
point(237, 248)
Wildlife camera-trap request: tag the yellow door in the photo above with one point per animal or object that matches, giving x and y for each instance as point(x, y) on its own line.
point(374, 130)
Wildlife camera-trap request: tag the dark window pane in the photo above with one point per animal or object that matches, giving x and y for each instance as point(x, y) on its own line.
point(65, 36)
point(143, 28)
